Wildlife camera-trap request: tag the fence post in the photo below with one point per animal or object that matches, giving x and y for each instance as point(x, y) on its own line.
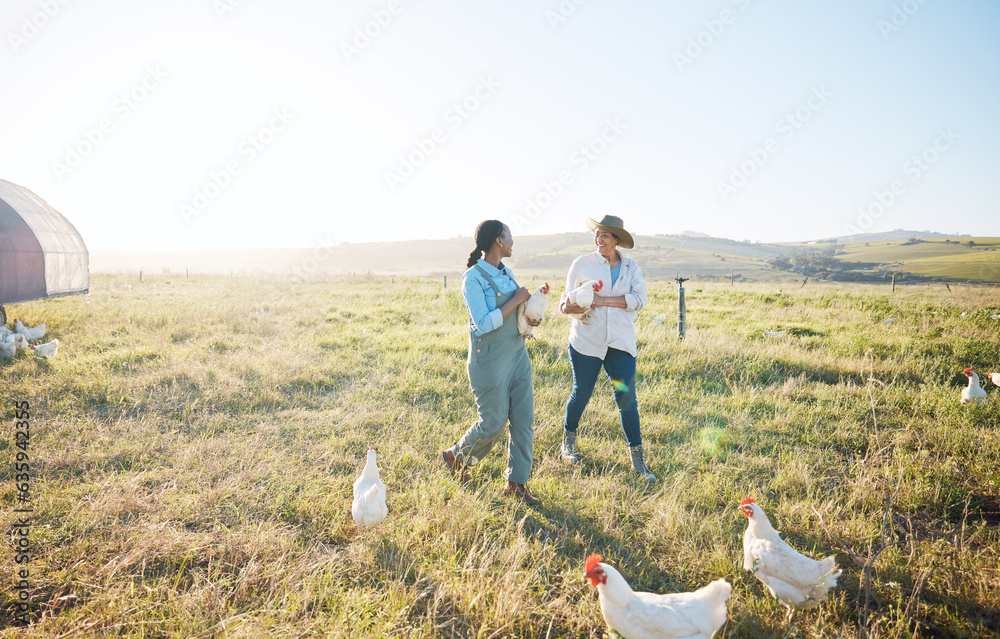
point(681, 307)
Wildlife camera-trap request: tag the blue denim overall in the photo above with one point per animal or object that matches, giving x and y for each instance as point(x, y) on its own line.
point(500, 376)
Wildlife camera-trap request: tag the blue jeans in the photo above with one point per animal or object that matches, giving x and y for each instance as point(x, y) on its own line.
point(620, 367)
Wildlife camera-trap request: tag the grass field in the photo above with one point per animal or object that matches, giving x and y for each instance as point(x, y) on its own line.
point(194, 442)
point(934, 257)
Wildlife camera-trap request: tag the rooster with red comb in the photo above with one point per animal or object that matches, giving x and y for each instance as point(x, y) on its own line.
point(795, 580)
point(646, 615)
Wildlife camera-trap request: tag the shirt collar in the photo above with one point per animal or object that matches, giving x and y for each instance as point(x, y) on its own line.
point(621, 258)
point(492, 270)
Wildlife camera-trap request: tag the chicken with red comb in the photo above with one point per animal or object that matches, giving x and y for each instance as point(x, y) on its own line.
point(583, 296)
point(973, 392)
point(795, 580)
point(646, 615)
point(532, 309)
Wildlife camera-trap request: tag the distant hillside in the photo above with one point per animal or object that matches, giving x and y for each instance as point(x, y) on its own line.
point(895, 234)
point(548, 257)
point(951, 258)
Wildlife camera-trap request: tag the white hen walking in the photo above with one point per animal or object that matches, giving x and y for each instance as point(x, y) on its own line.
point(368, 507)
point(46, 350)
point(795, 580)
point(647, 615)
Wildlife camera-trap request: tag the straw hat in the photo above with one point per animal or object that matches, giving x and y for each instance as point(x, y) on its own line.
point(613, 224)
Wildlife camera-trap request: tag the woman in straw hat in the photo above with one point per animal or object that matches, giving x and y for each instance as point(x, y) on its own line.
point(605, 337)
point(498, 365)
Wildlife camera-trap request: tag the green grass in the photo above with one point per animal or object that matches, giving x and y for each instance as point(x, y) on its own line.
point(933, 257)
point(194, 446)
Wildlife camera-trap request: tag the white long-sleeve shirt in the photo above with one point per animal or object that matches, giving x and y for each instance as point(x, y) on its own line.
point(607, 326)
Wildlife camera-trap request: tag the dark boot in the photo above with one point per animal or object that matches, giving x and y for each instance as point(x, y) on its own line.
point(568, 452)
point(521, 492)
point(456, 466)
point(639, 464)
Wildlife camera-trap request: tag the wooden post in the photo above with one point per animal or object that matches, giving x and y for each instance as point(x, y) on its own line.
point(446, 282)
point(140, 274)
point(893, 283)
point(732, 278)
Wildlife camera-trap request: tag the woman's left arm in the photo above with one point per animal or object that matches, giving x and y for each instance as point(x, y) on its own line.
point(637, 298)
point(618, 301)
point(634, 300)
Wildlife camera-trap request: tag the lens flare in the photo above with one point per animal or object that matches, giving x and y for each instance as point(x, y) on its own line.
point(620, 385)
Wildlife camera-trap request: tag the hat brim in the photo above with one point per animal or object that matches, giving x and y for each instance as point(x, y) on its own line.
point(624, 237)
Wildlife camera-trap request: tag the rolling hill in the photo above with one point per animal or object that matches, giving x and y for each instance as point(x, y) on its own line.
point(549, 256)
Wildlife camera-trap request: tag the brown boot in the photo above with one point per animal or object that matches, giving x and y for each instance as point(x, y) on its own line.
point(455, 466)
point(521, 492)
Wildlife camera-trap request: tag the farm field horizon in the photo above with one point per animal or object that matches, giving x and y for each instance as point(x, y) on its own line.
point(548, 256)
point(194, 442)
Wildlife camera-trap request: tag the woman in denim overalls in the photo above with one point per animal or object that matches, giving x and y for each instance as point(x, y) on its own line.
point(498, 366)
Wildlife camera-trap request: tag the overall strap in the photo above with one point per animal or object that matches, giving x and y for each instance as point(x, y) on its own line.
point(488, 279)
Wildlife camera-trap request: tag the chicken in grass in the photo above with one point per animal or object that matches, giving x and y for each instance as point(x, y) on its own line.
point(368, 507)
point(20, 342)
point(973, 392)
point(795, 580)
point(533, 309)
point(46, 350)
point(647, 615)
point(8, 347)
point(995, 378)
point(32, 334)
point(583, 296)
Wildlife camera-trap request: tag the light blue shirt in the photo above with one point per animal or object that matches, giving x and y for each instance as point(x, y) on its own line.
point(614, 273)
point(481, 299)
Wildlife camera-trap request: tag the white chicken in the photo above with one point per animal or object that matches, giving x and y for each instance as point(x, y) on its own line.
point(533, 309)
point(583, 296)
point(973, 392)
point(647, 615)
point(46, 350)
point(995, 378)
point(8, 348)
point(368, 507)
point(20, 341)
point(795, 580)
point(32, 334)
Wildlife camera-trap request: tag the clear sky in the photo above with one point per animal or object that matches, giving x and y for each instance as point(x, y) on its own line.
point(197, 124)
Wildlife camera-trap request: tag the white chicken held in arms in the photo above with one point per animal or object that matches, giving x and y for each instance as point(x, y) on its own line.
point(973, 392)
point(795, 580)
point(368, 508)
point(533, 309)
point(46, 350)
point(647, 615)
point(583, 296)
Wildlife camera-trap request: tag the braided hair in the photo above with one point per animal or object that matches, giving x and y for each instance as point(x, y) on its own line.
point(486, 234)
